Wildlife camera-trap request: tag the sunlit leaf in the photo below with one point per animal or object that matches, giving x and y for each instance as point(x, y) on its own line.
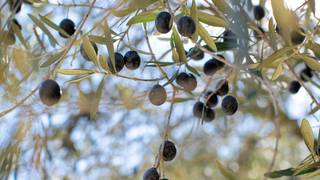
point(276, 55)
point(53, 25)
point(159, 63)
point(314, 47)
point(52, 59)
point(39, 23)
point(277, 72)
point(222, 5)
point(75, 71)
point(103, 62)
point(108, 38)
point(89, 49)
point(19, 34)
point(20, 60)
point(272, 33)
point(211, 19)
point(143, 18)
point(204, 34)
point(179, 46)
point(78, 79)
point(311, 62)
point(96, 100)
point(307, 134)
point(180, 100)
point(194, 16)
point(122, 12)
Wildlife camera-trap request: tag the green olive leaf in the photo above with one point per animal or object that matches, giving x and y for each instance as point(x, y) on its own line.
point(307, 134)
point(17, 31)
point(314, 47)
point(311, 62)
point(143, 17)
point(89, 50)
point(52, 59)
point(204, 34)
point(280, 173)
point(53, 25)
point(40, 24)
point(211, 19)
point(194, 16)
point(97, 99)
point(108, 39)
point(78, 72)
point(277, 72)
point(179, 46)
point(275, 56)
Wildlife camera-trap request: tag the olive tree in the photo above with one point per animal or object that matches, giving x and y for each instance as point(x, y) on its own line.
point(158, 89)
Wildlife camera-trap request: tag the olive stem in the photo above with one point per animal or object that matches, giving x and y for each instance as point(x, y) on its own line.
point(3, 113)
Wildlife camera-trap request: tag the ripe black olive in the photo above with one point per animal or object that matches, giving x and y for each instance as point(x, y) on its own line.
point(157, 95)
point(163, 22)
point(132, 60)
point(49, 92)
point(186, 26)
point(68, 26)
point(258, 12)
point(229, 105)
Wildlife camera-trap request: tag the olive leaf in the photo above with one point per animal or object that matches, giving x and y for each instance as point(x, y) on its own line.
point(314, 47)
point(277, 72)
point(17, 31)
point(276, 55)
point(307, 134)
point(211, 19)
point(96, 100)
point(311, 62)
point(179, 46)
point(78, 79)
point(52, 59)
point(39, 23)
point(280, 173)
point(194, 16)
point(75, 71)
point(89, 50)
point(144, 17)
point(53, 25)
point(204, 34)
point(108, 38)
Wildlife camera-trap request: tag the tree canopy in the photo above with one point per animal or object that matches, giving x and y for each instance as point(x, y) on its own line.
point(159, 89)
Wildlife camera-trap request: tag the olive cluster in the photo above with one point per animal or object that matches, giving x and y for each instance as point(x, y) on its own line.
point(204, 110)
point(49, 90)
point(297, 36)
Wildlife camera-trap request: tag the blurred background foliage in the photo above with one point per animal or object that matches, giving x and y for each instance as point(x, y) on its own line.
point(104, 127)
